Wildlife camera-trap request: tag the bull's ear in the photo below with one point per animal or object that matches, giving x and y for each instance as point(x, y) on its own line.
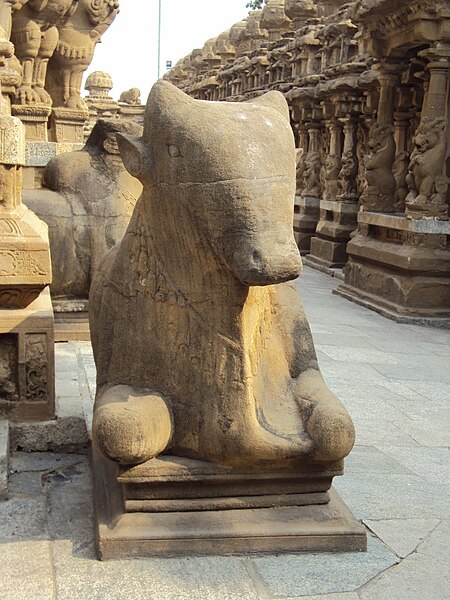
point(135, 155)
point(275, 101)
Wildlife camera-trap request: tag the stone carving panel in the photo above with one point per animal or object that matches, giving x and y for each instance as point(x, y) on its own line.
point(8, 369)
point(426, 180)
point(379, 195)
point(36, 367)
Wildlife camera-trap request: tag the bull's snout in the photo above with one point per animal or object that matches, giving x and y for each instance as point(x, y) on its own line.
point(273, 265)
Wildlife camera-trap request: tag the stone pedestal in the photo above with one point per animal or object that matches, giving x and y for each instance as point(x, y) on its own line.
point(26, 316)
point(67, 125)
point(306, 216)
point(400, 268)
point(35, 120)
point(174, 506)
point(329, 246)
point(27, 360)
point(132, 112)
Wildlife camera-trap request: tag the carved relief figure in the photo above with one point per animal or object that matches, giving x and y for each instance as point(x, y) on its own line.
point(299, 170)
point(201, 344)
point(332, 168)
point(35, 36)
point(75, 49)
point(312, 175)
point(347, 176)
point(88, 208)
point(426, 181)
point(400, 172)
point(380, 193)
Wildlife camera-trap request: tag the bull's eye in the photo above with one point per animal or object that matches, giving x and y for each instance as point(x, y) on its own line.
point(174, 151)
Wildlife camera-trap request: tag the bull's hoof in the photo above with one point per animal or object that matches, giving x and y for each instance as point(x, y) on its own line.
point(131, 426)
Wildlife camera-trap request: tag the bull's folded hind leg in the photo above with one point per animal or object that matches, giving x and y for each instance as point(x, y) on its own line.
point(131, 426)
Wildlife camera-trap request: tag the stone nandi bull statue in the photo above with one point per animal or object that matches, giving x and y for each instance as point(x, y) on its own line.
point(202, 346)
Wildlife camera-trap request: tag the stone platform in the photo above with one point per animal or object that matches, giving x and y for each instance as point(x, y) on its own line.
point(394, 380)
point(173, 506)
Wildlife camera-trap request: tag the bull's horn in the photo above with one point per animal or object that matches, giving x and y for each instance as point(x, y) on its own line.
point(274, 100)
point(135, 155)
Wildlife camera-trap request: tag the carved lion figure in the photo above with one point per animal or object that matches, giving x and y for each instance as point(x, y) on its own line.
point(379, 196)
point(426, 181)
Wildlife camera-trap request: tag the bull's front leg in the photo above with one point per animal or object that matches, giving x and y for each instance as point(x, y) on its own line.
point(131, 426)
point(328, 424)
point(325, 419)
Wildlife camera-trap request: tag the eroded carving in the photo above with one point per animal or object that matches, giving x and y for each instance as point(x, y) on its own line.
point(78, 36)
point(185, 333)
point(8, 369)
point(379, 195)
point(36, 367)
point(426, 181)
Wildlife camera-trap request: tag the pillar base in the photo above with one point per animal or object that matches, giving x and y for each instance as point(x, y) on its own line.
point(306, 217)
point(400, 268)
point(27, 388)
point(67, 125)
point(35, 120)
point(337, 222)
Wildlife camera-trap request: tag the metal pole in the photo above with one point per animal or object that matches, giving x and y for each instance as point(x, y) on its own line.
point(159, 38)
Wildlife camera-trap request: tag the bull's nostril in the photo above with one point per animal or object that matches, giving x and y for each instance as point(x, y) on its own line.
point(256, 256)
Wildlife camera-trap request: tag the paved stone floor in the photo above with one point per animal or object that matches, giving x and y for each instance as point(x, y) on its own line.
point(395, 381)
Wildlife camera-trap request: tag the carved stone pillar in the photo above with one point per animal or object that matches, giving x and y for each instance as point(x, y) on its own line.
point(379, 194)
point(338, 206)
point(402, 119)
point(349, 163)
point(26, 316)
point(427, 178)
point(307, 198)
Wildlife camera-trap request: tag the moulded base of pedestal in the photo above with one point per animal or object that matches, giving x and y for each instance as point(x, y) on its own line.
point(71, 320)
point(306, 216)
point(400, 268)
point(195, 508)
point(327, 253)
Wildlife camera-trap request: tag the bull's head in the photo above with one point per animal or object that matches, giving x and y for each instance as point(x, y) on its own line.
point(231, 168)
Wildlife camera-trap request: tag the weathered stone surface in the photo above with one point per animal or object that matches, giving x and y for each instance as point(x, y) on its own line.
point(12, 141)
point(402, 536)
point(236, 381)
point(67, 434)
point(249, 130)
point(413, 578)
point(324, 573)
point(4, 458)
point(26, 570)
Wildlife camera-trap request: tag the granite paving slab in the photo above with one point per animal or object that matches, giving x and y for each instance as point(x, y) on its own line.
point(297, 575)
point(402, 536)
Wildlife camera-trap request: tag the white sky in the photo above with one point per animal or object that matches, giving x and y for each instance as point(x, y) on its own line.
point(128, 51)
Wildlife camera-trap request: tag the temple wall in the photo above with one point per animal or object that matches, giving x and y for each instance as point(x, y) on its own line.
point(367, 85)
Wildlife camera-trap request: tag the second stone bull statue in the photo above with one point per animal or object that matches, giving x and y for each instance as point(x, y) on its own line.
point(202, 347)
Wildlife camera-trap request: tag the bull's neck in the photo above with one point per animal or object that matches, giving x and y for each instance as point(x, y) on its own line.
point(186, 259)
